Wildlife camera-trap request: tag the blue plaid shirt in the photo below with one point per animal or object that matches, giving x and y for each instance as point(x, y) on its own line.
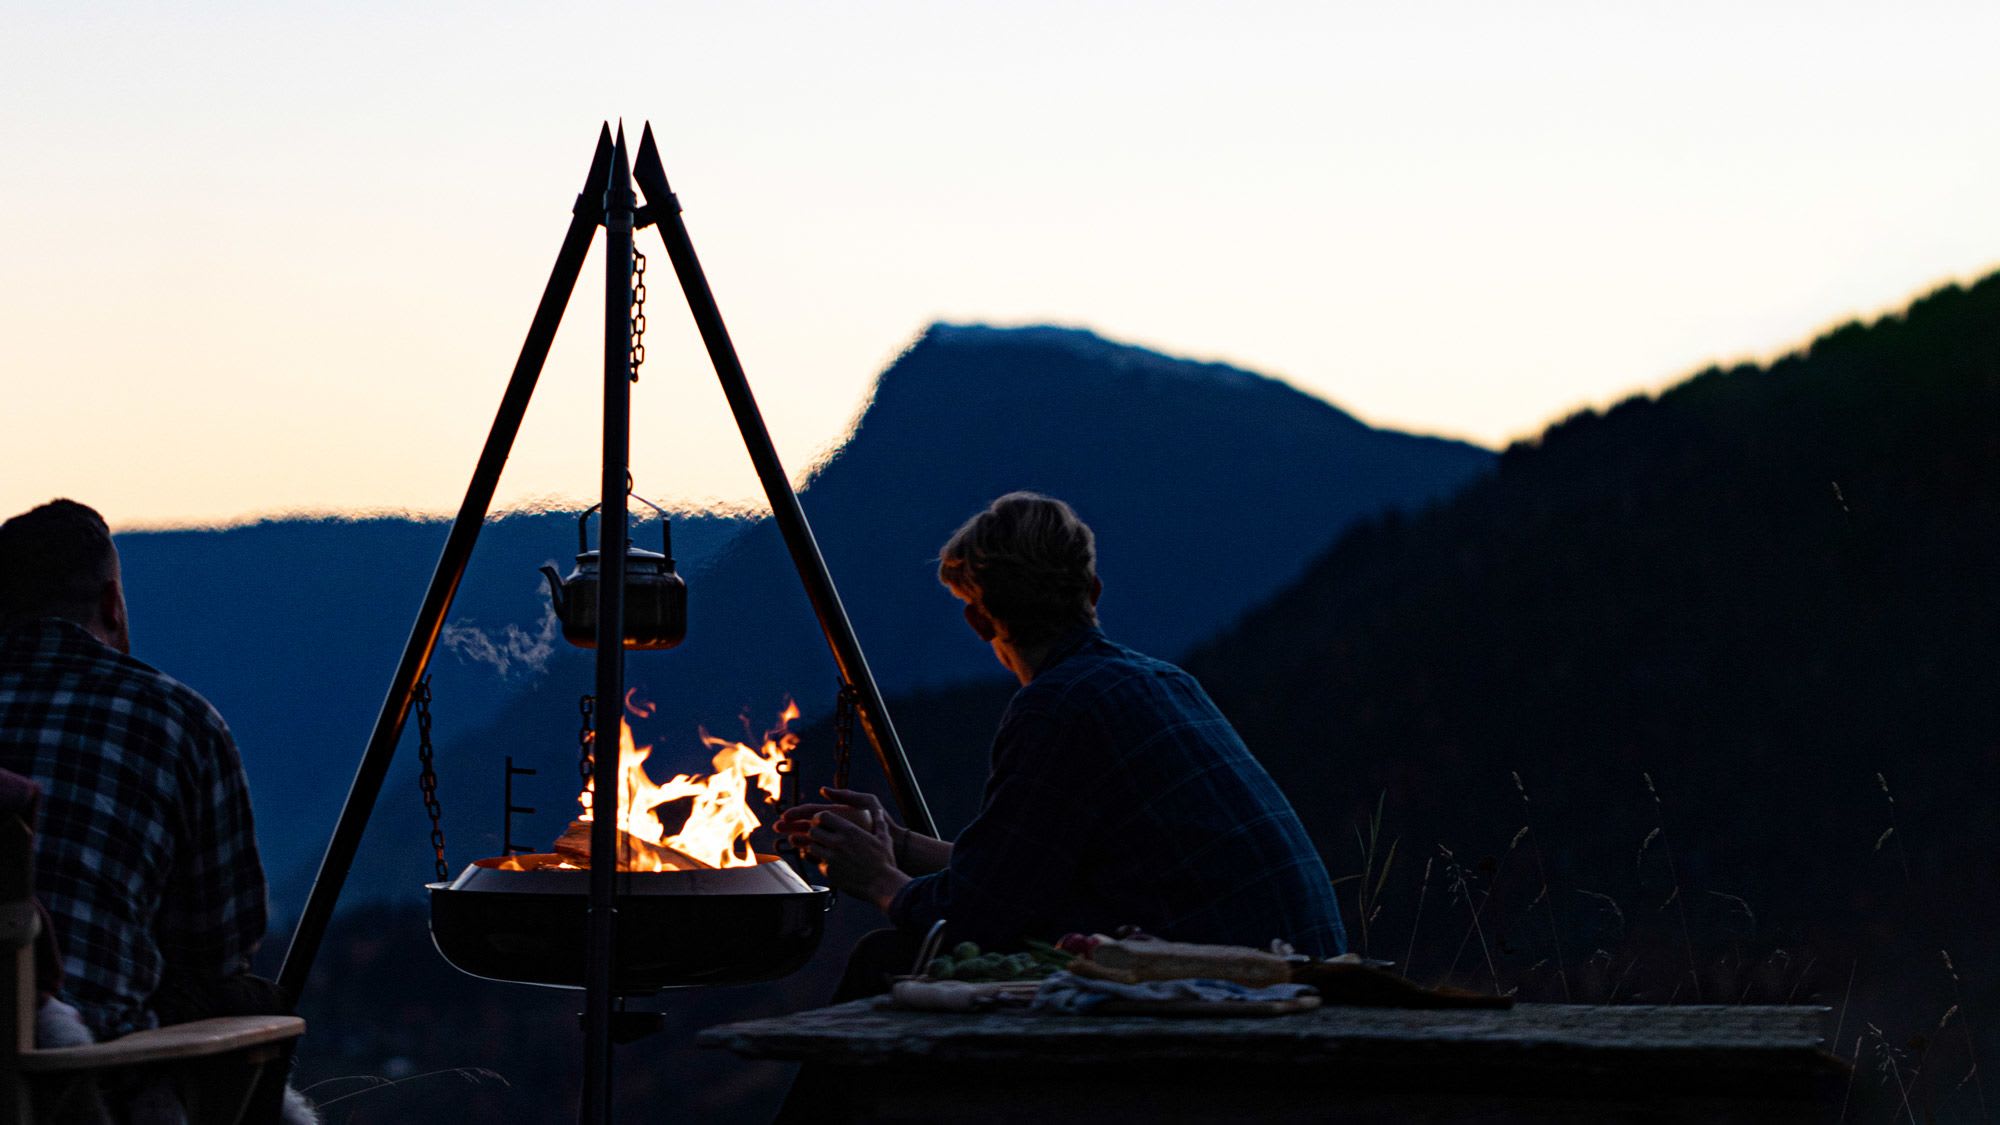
point(145, 855)
point(1120, 795)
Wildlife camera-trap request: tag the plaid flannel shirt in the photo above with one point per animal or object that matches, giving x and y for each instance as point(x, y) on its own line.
point(1120, 795)
point(146, 856)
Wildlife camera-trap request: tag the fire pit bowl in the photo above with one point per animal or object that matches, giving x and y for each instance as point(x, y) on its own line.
point(525, 919)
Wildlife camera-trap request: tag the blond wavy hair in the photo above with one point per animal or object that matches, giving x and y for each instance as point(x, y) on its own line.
point(1029, 562)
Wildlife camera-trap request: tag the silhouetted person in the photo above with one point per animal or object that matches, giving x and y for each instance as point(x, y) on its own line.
point(145, 855)
point(1119, 794)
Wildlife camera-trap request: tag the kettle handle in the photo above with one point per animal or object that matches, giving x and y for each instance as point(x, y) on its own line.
point(666, 527)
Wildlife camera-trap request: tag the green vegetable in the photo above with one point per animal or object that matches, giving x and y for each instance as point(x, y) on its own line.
point(965, 951)
point(991, 966)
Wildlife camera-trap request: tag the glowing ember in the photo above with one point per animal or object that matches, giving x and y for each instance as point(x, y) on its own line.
point(720, 821)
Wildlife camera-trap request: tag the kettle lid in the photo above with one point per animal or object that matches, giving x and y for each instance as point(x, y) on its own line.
point(639, 558)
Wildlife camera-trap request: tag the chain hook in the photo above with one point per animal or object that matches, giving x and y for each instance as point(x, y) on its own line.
point(585, 735)
point(843, 732)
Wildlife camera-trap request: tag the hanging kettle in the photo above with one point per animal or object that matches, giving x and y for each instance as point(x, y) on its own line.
point(655, 597)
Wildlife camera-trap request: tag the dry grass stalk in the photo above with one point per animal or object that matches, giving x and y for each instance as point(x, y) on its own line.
point(1368, 892)
point(1965, 1028)
point(1461, 885)
point(1673, 873)
point(1423, 891)
point(1889, 1066)
point(1902, 856)
point(1542, 872)
point(1798, 982)
point(1889, 834)
point(1854, 1067)
point(370, 1083)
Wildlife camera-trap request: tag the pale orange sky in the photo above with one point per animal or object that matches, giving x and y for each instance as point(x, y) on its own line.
point(262, 258)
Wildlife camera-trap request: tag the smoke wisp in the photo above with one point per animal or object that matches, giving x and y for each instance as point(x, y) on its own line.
point(511, 650)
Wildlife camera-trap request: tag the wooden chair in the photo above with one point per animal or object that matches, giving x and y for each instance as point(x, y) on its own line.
point(214, 1063)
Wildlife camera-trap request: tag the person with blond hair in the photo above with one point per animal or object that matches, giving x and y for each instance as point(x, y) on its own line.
point(1119, 794)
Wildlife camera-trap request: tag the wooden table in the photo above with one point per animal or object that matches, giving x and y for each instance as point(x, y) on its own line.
point(1535, 1062)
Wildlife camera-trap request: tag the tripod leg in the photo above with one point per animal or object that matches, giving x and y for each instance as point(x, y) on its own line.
point(374, 767)
point(785, 508)
point(607, 748)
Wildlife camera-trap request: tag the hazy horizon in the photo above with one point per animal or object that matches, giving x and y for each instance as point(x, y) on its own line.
point(283, 258)
point(755, 507)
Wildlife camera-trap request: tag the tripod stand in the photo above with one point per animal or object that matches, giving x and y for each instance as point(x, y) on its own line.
point(607, 201)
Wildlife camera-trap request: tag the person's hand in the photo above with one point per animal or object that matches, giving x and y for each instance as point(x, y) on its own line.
point(864, 809)
point(851, 842)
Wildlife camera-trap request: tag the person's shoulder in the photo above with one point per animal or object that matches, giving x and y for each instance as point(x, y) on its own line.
point(1098, 666)
point(159, 692)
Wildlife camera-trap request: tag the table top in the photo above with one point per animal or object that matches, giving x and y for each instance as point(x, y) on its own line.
point(861, 1033)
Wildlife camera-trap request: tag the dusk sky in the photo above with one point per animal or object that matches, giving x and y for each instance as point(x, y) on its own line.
point(266, 258)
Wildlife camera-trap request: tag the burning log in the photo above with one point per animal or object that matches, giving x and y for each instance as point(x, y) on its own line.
point(718, 822)
point(636, 854)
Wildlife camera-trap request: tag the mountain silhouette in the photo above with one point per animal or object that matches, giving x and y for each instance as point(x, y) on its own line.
point(1209, 487)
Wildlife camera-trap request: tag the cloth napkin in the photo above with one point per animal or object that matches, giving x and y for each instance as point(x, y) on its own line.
point(1067, 992)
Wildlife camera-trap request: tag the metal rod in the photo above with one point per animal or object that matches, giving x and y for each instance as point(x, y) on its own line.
point(508, 809)
point(388, 731)
point(607, 747)
point(665, 211)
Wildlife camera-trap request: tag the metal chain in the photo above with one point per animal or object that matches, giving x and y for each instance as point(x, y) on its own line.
point(788, 796)
point(638, 311)
point(427, 780)
point(788, 783)
point(843, 734)
point(585, 735)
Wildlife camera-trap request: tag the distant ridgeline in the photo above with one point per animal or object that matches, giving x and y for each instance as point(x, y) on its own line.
point(1211, 487)
point(292, 628)
point(1762, 588)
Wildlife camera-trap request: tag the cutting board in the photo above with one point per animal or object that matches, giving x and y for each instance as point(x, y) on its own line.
point(959, 996)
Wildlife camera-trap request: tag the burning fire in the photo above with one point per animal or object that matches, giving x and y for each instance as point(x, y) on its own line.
point(718, 827)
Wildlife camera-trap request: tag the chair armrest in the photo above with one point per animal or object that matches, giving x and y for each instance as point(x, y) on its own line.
point(193, 1040)
point(19, 923)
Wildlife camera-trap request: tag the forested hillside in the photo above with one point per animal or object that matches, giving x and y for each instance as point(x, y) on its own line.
point(1710, 634)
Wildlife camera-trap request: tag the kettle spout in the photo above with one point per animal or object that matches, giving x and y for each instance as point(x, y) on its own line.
point(555, 589)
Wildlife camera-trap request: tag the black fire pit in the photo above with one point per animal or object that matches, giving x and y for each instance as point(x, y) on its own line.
point(525, 920)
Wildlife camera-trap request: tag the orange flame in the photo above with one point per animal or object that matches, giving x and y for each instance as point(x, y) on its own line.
point(718, 827)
